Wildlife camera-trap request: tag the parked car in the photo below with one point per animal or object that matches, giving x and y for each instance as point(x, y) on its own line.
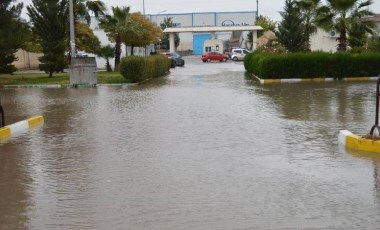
point(214, 56)
point(239, 54)
point(177, 58)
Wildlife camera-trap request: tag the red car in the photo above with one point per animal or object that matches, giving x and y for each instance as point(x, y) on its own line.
point(214, 56)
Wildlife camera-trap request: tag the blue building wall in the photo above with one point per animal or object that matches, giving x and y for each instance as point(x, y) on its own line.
point(198, 41)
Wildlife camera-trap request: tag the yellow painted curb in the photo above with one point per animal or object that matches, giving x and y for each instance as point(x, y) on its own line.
point(5, 132)
point(316, 79)
point(34, 121)
point(356, 142)
point(20, 127)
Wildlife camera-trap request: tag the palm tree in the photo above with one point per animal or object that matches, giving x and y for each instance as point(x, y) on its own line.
point(83, 8)
point(117, 28)
point(309, 9)
point(340, 15)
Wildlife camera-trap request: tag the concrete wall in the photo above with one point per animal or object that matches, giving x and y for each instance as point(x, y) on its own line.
point(27, 60)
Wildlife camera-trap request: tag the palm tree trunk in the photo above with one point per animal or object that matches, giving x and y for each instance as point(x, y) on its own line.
point(342, 40)
point(117, 52)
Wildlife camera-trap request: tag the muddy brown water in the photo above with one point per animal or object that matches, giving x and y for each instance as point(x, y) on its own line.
point(206, 147)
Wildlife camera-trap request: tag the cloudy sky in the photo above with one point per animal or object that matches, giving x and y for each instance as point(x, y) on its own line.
point(268, 8)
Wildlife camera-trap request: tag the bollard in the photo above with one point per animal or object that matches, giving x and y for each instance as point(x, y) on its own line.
point(2, 121)
point(376, 126)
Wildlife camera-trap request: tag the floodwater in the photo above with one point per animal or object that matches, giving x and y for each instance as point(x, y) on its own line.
point(206, 147)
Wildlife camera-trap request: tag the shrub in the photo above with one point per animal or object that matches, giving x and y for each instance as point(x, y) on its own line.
point(138, 69)
point(312, 65)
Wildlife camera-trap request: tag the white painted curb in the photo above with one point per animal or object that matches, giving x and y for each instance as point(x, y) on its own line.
point(20, 127)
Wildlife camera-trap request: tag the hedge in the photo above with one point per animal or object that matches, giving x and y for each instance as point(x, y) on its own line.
point(138, 69)
point(312, 65)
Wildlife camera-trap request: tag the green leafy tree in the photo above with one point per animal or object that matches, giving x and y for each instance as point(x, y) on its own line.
point(82, 12)
point(291, 32)
point(47, 19)
point(346, 15)
point(374, 44)
point(106, 52)
point(147, 33)
point(85, 38)
point(13, 34)
point(266, 23)
point(168, 23)
point(117, 28)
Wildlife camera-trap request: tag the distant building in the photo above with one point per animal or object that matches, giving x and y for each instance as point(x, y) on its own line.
point(195, 41)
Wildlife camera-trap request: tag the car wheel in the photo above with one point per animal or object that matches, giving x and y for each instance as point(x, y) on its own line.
point(208, 60)
point(235, 59)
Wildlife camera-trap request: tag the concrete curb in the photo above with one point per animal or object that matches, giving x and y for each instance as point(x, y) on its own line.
point(20, 127)
point(295, 80)
point(62, 86)
point(355, 142)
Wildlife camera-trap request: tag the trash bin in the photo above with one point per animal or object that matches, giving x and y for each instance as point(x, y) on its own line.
point(83, 71)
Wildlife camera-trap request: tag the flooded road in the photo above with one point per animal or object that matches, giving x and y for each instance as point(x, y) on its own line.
point(204, 148)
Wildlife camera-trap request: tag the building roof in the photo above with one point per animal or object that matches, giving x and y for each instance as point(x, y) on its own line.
point(211, 29)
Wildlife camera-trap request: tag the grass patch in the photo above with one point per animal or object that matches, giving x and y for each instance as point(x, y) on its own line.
point(58, 78)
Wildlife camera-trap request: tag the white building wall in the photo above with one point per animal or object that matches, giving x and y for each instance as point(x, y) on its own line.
point(323, 41)
point(203, 19)
point(236, 19)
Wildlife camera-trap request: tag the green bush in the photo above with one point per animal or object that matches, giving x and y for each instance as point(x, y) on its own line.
point(312, 65)
point(138, 69)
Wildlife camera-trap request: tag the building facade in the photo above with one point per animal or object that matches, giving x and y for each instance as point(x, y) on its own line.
point(194, 41)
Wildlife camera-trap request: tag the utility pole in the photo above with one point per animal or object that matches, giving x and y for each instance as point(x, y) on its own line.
point(144, 8)
point(72, 32)
point(257, 7)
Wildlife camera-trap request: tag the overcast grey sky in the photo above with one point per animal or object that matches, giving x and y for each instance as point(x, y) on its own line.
point(268, 8)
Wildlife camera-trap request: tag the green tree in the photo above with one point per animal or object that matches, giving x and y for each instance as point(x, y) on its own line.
point(291, 32)
point(85, 38)
point(82, 12)
point(117, 28)
point(168, 23)
point(310, 12)
point(83, 8)
point(346, 15)
point(147, 34)
point(374, 44)
point(47, 19)
point(266, 23)
point(360, 26)
point(106, 52)
point(13, 34)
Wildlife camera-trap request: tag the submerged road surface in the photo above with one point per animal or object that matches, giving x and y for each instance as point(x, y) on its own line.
point(204, 148)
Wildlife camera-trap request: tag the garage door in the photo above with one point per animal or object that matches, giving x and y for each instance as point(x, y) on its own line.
point(198, 40)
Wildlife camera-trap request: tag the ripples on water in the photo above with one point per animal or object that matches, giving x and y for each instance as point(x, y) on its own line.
point(190, 151)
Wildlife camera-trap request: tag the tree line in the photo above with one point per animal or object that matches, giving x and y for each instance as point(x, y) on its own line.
point(351, 20)
point(47, 32)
